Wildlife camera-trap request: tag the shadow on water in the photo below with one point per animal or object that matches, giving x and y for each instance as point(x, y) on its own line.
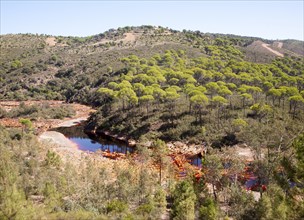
point(196, 160)
point(89, 142)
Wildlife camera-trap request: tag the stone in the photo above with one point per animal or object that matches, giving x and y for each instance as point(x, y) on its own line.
point(131, 142)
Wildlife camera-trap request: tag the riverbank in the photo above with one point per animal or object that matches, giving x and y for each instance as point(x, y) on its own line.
point(40, 123)
point(68, 150)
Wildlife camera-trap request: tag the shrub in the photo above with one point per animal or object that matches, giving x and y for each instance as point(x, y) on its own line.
point(3, 113)
point(208, 210)
point(116, 206)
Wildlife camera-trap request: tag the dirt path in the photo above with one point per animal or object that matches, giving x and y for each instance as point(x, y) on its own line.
point(280, 44)
point(273, 51)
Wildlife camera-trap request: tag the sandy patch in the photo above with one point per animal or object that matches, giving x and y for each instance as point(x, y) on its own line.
point(72, 122)
point(51, 41)
point(66, 149)
point(57, 138)
point(129, 37)
point(280, 45)
point(244, 152)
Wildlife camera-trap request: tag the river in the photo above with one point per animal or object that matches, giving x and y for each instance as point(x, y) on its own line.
point(89, 142)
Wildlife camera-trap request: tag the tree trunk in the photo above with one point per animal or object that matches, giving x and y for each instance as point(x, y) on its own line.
point(214, 193)
point(200, 115)
point(160, 172)
point(218, 116)
point(244, 106)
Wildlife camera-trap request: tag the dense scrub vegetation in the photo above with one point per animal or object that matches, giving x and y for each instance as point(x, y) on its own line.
point(37, 111)
point(37, 184)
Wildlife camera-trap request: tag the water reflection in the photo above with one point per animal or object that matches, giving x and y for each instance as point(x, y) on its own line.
point(196, 160)
point(88, 142)
point(92, 143)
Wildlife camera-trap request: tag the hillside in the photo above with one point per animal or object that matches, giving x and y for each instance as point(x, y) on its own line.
point(215, 123)
point(245, 78)
point(68, 68)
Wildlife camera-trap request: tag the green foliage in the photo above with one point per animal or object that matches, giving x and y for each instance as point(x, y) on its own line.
point(221, 91)
point(296, 98)
point(199, 99)
point(26, 123)
point(298, 145)
point(171, 94)
point(261, 110)
point(239, 122)
point(106, 92)
point(272, 205)
point(16, 64)
point(160, 199)
point(146, 98)
point(42, 186)
point(246, 96)
point(241, 202)
point(264, 208)
point(184, 200)
point(116, 206)
point(127, 95)
point(176, 86)
point(145, 209)
point(3, 113)
point(219, 100)
point(52, 159)
point(208, 210)
point(41, 111)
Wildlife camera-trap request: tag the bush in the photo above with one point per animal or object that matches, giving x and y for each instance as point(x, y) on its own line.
point(208, 210)
point(43, 111)
point(3, 113)
point(16, 64)
point(145, 209)
point(116, 206)
point(184, 201)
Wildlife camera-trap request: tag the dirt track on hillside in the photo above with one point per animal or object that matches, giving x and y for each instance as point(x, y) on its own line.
point(271, 50)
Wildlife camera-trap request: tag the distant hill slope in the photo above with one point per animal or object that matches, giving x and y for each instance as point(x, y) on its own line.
point(45, 67)
point(295, 46)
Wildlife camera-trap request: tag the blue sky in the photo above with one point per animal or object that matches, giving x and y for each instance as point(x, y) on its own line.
point(267, 19)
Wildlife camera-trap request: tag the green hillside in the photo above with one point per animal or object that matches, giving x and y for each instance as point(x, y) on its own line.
point(157, 82)
point(68, 68)
point(159, 87)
